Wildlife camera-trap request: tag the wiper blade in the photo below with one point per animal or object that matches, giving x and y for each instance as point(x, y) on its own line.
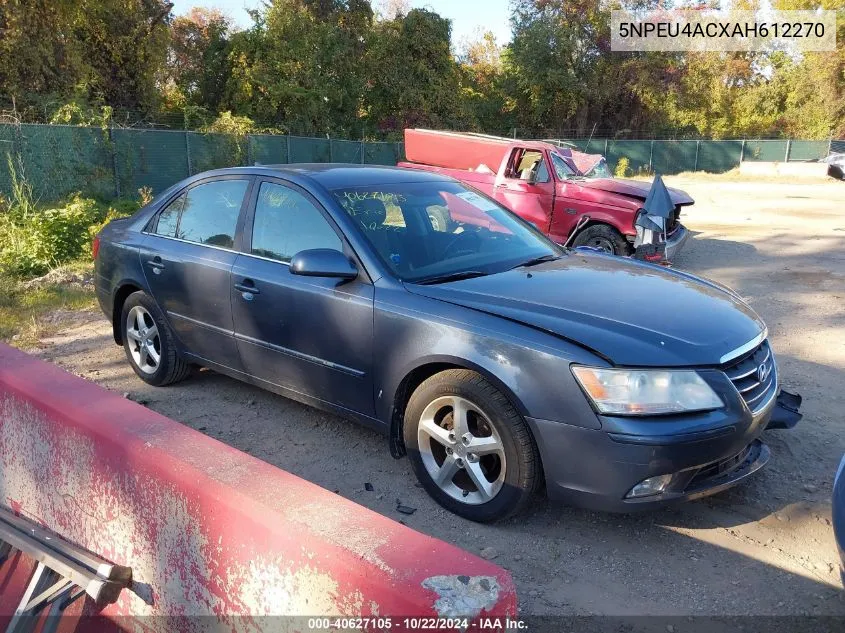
point(537, 260)
point(439, 279)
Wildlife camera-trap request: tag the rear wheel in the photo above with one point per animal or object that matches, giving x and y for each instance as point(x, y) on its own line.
point(470, 449)
point(603, 237)
point(148, 342)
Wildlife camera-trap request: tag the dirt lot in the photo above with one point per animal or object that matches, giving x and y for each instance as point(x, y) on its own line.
point(763, 548)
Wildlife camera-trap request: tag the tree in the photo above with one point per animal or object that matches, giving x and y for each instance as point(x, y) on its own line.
point(302, 65)
point(413, 79)
point(198, 58)
point(124, 46)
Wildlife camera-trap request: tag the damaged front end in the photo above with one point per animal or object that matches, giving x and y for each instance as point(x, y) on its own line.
point(785, 414)
point(660, 235)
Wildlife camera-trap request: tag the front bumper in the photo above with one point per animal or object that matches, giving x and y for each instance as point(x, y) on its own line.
point(675, 241)
point(704, 453)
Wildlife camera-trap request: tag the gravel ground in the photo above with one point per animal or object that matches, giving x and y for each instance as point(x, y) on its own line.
point(763, 548)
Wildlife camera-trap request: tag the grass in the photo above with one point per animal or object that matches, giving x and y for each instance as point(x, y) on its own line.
point(22, 309)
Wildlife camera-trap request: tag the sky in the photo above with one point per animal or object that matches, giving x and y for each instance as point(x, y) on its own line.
point(468, 16)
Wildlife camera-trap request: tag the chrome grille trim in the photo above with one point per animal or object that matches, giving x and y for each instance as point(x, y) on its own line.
point(742, 374)
point(742, 349)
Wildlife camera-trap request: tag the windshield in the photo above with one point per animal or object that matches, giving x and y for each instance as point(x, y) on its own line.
point(425, 231)
point(562, 169)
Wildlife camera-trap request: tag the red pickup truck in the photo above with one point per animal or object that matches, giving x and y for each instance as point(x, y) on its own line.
point(545, 184)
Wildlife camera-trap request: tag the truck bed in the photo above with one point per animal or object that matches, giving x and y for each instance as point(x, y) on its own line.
point(481, 180)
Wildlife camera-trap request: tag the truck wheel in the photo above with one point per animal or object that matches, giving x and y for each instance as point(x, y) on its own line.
point(603, 237)
point(470, 449)
point(440, 219)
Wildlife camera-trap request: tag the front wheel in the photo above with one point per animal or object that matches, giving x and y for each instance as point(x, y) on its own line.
point(603, 237)
point(148, 342)
point(468, 446)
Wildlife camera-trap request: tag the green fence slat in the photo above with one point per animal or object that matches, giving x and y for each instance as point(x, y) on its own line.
point(765, 151)
point(638, 154)
point(149, 158)
point(215, 151)
point(381, 153)
point(808, 150)
point(346, 151)
point(309, 150)
point(268, 149)
point(8, 150)
point(60, 159)
point(673, 157)
point(719, 156)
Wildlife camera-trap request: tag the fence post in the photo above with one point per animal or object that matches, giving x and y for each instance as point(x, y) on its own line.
point(331, 150)
point(651, 157)
point(249, 150)
point(363, 150)
point(188, 152)
point(788, 145)
point(742, 151)
point(697, 147)
point(115, 171)
point(287, 140)
point(605, 149)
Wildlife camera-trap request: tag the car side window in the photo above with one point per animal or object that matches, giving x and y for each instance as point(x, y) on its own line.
point(168, 219)
point(210, 213)
point(286, 222)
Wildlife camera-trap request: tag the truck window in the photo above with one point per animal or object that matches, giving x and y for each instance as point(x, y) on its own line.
point(527, 163)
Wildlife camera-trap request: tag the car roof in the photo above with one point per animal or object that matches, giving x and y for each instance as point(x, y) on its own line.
point(333, 175)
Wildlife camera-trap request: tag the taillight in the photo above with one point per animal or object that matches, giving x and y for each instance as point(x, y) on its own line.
point(95, 246)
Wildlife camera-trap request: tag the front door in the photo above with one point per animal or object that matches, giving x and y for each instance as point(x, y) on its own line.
point(187, 260)
point(526, 187)
point(311, 335)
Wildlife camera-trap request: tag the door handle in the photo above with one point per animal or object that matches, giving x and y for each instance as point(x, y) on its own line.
point(247, 286)
point(156, 264)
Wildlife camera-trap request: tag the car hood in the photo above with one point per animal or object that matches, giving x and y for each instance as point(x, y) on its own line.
point(634, 189)
point(629, 312)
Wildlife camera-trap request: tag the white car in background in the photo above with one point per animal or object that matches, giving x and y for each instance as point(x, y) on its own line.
point(835, 166)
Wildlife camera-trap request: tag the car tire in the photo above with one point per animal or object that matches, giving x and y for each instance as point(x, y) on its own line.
point(507, 456)
point(149, 342)
point(603, 237)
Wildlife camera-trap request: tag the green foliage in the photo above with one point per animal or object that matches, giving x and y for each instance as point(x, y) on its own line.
point(34, 240)
point(317, 67)
point(622, 168)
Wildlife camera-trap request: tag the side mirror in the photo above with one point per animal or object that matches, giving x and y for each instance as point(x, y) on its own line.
point(323, 262)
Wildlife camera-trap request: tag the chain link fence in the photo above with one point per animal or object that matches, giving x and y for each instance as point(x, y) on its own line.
point(58, 160)
point(674, 157)
point(115, 162)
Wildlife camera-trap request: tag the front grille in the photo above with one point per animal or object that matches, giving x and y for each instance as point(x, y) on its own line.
point(752, 382)
point(719, 469)
point(672, 220)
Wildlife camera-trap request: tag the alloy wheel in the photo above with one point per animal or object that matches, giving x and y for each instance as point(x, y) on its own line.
point(461, 450)
point(144, 340)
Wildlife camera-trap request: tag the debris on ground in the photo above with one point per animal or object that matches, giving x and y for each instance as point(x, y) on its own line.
point(405, 509)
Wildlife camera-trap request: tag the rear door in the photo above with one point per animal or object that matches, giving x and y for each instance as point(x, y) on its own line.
point(187, 259)
point(526, 187)
point(311, 335)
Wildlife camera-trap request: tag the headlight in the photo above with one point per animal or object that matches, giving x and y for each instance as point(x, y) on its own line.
point(646, 391)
